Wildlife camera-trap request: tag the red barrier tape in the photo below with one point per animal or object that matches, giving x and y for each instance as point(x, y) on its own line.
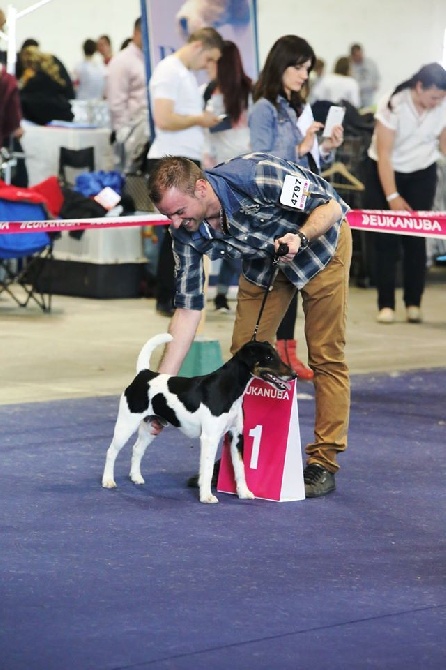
point(59, 225)
point(423, 224)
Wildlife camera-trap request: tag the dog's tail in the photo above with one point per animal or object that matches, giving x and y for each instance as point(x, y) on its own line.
point(143, 361)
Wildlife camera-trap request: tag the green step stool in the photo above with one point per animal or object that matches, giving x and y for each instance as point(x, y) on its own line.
point(203, 357)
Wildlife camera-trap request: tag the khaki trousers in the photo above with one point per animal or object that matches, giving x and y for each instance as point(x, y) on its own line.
point(325, 308)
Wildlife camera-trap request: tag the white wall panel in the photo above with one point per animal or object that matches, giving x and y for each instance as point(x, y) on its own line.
point(62, 25)
point(398, 34)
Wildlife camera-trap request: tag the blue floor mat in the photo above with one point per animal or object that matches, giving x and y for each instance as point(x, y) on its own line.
point(148, 578)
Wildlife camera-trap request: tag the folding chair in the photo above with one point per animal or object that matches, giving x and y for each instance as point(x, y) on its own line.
point(77, 161)
point(24, 257)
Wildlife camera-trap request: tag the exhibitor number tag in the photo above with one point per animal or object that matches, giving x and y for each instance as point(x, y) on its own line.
point(295, 191)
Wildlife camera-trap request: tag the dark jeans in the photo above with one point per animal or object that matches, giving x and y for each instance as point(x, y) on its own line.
point(418, 189)
point(286, 329)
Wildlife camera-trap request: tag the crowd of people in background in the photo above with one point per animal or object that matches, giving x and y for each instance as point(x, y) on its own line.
point(231, 115)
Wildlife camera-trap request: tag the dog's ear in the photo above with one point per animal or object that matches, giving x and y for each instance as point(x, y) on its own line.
point(253, 352)
point(248, 353)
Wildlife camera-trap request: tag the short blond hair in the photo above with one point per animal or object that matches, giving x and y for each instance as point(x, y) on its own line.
point(173, 172)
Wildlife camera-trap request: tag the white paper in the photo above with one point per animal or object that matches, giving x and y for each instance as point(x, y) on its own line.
point(335, 117)
point(295, 191)
point(303, 123)
point(108, 198)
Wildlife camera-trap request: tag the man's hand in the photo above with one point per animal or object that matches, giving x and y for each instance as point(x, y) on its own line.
point(208, 119)
point(292, 241)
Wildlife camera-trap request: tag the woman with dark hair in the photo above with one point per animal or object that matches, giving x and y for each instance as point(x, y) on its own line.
point(282, 123)
point(401, 174)
point(229, 95)
point(230, 98)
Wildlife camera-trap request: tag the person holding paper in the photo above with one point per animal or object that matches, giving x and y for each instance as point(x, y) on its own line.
point(247, 207)
point(282, 123)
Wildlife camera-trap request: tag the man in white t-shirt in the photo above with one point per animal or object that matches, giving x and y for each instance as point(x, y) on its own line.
point(177, 111)
point(175, 97)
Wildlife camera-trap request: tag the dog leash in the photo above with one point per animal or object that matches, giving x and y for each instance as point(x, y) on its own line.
point(282, 250)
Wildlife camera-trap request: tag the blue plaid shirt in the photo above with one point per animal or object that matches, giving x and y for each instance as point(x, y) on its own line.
point(249, 189)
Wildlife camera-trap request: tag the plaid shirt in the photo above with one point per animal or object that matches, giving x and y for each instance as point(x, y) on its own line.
point(249, 189)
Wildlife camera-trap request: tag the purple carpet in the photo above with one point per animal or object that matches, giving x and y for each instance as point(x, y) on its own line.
point(149, 578)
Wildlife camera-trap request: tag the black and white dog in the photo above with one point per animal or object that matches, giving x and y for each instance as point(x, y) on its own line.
point(206, 407)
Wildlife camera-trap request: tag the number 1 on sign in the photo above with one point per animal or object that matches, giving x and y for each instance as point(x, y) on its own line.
point(256, 433)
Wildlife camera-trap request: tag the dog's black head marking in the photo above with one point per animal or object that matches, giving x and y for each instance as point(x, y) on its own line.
point(264, 362)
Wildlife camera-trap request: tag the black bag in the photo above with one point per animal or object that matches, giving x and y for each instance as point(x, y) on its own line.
point(77, 206)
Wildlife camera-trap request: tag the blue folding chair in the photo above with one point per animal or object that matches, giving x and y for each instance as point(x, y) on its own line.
point(25, 257)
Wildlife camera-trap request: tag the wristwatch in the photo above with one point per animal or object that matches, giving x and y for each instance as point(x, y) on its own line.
point(304, 241)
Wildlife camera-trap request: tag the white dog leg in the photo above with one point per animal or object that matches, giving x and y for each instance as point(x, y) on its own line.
point(208, 452)
point(145, 437)
point(241, 486)
point(126, 424)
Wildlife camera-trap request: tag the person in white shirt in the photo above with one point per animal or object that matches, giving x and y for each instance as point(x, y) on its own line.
point(127, 99)
point(366, 73)
point(337, 86)
point(89, 75)
point(175, 97)
point(401, 174)
point(179, 119)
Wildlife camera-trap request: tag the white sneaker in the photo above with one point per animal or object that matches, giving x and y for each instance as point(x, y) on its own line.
point(413, 314)
point(386, 315)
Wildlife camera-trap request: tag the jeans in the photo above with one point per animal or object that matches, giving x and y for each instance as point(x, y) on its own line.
point(325, 309)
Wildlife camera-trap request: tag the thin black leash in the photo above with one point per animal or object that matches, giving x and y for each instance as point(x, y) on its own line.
point(281, 251)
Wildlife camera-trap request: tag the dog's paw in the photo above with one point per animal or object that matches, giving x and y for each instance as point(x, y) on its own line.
point(245, 494)
point(108, 483)
point(209, 498)
point(137, 478)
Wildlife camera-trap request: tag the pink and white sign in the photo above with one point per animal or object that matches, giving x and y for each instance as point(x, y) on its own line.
point(61, 225)
point(423, 224)
point(272, 445)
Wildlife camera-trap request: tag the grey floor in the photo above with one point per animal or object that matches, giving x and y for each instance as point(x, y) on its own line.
point(89, 347)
